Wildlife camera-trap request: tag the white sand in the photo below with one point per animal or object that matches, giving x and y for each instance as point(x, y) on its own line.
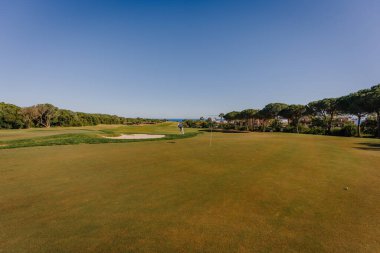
point(137, 136)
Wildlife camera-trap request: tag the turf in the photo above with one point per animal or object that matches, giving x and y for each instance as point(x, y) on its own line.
point(249, 192)
point(89, 135)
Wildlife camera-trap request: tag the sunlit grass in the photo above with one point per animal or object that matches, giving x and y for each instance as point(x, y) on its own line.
point(250, 192)
point(89, 135)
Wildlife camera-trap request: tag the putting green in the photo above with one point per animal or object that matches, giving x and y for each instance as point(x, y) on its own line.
point(251, 192)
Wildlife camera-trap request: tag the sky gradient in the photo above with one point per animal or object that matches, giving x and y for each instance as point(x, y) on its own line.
point(185, 59)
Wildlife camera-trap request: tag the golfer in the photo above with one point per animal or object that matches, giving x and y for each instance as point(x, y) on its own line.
point(181, 129)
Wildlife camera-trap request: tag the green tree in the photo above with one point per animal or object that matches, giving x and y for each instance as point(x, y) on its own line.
point(269, 112)
point(232, 117)
point(326, 109)
point(373, 102)
point(272, 110)
point(10, 116)
point(66, 118)
point(221, 116)
point(29, 115)
point(294, 113)
point(354, 104)
point(249, 115)
point(46, 113)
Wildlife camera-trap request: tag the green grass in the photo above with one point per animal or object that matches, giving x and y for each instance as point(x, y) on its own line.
point(248, 192)
point(89, 135)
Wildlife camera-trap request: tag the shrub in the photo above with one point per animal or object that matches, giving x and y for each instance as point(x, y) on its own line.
point(369, 126)
point(318, 123)
point(316, 130)
point(228, 126)
point(289, 129)
point(275, 126)
point(347, 130)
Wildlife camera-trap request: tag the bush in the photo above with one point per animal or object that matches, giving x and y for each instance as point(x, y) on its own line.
point(318, 123)
point(293, 129)
point(369, 126)
point(302, 129)
point(316, 130)
point(289, 129)
point(275, 126)
point(347, 130)
point(228, 126)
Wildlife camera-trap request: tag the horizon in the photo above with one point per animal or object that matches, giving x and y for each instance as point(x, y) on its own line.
point(164, 59)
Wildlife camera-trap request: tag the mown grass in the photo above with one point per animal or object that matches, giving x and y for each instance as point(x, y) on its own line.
point(72, 139)
point(249, 192)
point(90, 135)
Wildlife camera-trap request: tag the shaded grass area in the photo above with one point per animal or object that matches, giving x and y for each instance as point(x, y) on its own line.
point(254, 192)
point(369, 146)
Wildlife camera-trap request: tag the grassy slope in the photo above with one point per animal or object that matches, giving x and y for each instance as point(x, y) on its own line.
point(89, 135)
point(257, 192)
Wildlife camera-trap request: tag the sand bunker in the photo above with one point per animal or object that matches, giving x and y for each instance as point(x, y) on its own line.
point(137, 136)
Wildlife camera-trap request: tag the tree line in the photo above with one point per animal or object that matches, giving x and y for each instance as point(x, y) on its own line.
point(48, 115)
point(330, 116)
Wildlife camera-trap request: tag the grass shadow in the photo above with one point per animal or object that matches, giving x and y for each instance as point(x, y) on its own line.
point(369, 146)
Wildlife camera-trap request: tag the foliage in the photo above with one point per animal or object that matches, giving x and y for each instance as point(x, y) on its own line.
point(318, 117)
point(294, 114)
point(10, 116)
point(369, 126)
point(196, 123)
point(326, 109)
point(316, 130)
point(348, 130)
point(275, 125)
point(47, 115)
point(326, 116)
point(234, 115)
point(272, 110)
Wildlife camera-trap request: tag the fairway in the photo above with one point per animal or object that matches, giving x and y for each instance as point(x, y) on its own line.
point(247, 192)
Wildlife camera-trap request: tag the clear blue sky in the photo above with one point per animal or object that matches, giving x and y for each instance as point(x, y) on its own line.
point(185, 58)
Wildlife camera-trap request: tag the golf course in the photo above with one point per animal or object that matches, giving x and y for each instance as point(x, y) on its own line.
point(225, 192)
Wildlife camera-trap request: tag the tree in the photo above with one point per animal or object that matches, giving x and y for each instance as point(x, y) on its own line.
point(29, 115)
point(372, 97)
point(354, 104)
point(46, 112)
point(66, 118)
point(293, 113)
point(46, 115)
point(287, 114)
point(10, 116)
point(325, 108)
point(221, 116)
point(249, 115)
point(232, 117)
point(270, 111)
